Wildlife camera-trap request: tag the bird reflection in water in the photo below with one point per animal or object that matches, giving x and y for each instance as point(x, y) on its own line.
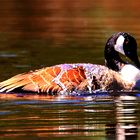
point(126, 125)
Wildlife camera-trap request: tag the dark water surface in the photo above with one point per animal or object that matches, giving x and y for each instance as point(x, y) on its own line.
point(99, 116)
point(38, 33)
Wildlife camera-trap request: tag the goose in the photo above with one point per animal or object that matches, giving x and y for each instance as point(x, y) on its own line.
point(116, 74)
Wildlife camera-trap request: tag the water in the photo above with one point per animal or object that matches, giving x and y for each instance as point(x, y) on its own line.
point(100, 116)
point(35, 34)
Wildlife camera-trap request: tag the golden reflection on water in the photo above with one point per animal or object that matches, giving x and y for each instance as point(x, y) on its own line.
point(127, 119)
point(37, 33)
point(62, 20)
point(115, 117)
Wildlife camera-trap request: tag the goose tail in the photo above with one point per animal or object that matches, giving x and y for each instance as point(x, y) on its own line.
point(19, 81)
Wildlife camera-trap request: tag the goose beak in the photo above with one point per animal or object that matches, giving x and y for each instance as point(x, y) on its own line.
point(133, 60)
point(133, 57)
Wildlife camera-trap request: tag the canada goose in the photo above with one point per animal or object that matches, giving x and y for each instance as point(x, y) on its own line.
point(83, 76)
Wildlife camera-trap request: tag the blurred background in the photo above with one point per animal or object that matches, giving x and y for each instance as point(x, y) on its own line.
point(39, 33)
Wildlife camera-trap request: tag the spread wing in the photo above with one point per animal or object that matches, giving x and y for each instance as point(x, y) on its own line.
point(46, 80)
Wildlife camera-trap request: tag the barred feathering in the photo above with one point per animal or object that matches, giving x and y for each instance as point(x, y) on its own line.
point(65, 78)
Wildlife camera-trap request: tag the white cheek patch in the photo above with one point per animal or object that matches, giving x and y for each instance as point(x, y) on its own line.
point(119, 44)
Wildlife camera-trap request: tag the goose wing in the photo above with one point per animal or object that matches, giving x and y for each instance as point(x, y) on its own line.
point(66, 77)
point(49, 80)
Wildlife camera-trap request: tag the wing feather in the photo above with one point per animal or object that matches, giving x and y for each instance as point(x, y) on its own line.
point(42, 80)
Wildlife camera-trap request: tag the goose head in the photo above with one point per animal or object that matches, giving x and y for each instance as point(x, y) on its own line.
point(120, 43)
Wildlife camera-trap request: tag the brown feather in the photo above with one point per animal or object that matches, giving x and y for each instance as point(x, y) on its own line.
point(55, 79)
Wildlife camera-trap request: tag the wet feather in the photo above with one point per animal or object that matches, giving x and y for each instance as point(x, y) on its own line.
point(76, 77)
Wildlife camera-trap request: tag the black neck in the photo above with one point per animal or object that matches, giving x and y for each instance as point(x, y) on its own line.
point(113, 60)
